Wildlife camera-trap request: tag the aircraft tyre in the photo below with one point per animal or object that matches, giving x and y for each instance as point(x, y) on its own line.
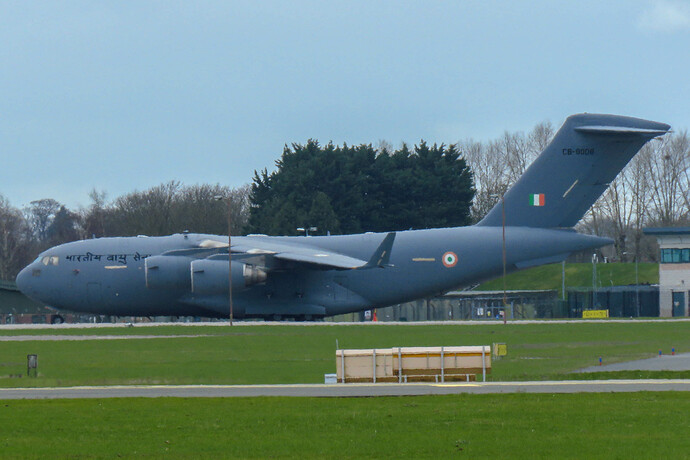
point(302, 318)
point(57, 319)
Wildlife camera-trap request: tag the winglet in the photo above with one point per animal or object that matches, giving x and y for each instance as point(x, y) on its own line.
point(382, 254)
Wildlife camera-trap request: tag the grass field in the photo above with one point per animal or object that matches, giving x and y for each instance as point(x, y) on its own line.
point(296, 354)
point(576, 275)
point(627, 425)
point(604, 425)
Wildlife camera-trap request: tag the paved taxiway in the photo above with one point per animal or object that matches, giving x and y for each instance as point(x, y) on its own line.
point(330, 323)
point(347, 390)
point(44, 338)
point(679, 362)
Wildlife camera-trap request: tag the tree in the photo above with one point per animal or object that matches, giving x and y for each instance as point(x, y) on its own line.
point(498, 164)
point(352, 189)
point(40, 215)
point(668, 175)
point(169, 208)
point(15, 242)
point(94, 216)
point(321, 214)
point(64, 227)
point(145, 213)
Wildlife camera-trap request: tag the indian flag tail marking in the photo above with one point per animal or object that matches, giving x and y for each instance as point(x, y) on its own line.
point(536, 199)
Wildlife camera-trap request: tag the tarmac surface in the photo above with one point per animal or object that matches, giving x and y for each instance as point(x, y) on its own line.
point(679, 362)
point(330, 323)
point(344, 390)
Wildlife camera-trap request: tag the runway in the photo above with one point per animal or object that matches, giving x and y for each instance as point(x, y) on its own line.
point(344, 390)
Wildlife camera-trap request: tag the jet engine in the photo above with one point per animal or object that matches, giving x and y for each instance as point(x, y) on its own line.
point(167, 272)
point(211, 276)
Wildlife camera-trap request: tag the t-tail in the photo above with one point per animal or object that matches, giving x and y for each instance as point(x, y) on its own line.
point(585, 155)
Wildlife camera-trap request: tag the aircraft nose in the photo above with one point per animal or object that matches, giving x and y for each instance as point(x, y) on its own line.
point(24, 280)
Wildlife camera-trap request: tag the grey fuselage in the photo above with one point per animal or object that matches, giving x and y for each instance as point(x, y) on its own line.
point(107, 275)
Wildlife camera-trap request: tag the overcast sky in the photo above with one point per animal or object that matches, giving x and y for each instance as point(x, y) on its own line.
point(125, 95)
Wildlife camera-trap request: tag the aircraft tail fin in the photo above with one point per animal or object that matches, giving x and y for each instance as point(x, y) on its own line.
point(585, 155)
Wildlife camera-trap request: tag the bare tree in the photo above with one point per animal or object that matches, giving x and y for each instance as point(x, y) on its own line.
point(498, 164)
point(198, 209)
point(40, 215)
point(147, 212)
point(667, 169)
point(169, 208)
point(539, 138)
point(93, 218)
point(489, 172)
point(14, 240)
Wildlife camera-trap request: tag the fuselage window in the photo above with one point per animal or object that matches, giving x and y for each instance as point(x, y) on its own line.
point(50, 260)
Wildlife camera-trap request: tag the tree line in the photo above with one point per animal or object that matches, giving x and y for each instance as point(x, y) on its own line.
point(350, 189)
point(161, 210)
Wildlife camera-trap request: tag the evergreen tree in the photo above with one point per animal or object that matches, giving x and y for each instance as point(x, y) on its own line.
point(354, 189)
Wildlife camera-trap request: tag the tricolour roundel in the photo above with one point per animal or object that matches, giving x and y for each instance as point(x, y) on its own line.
point(450, 259)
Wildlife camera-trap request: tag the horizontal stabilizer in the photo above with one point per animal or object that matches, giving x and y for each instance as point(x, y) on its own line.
point(622, 130)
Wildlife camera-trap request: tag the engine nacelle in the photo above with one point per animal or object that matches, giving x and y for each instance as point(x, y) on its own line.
point(211, 276)
point(168, 272)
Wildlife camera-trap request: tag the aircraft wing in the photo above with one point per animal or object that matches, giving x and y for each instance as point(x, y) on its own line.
point(268, 252)
point(323, 258)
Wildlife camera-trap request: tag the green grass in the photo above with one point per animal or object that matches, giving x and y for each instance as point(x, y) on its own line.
point(605, 425)
point(295, 354)
point(631, 375)
point(576, 275)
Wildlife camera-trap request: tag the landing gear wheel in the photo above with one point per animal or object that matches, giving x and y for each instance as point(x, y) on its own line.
point(57, 319)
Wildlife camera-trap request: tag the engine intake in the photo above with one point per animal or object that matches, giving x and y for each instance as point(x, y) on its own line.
point(167, 272)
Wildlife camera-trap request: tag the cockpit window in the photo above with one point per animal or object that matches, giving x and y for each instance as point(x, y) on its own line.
point(50, 260)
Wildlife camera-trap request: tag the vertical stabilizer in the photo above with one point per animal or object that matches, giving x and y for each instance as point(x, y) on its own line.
point(567, 178)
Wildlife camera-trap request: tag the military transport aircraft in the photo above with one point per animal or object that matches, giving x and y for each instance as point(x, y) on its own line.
point(312, 277)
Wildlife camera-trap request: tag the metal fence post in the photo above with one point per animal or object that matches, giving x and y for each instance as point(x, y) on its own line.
point(373, 355)
point(443, 376)
point(342, 364)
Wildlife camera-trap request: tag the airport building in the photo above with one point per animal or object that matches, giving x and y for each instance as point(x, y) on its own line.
point(674, 269)
point(15, 307)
